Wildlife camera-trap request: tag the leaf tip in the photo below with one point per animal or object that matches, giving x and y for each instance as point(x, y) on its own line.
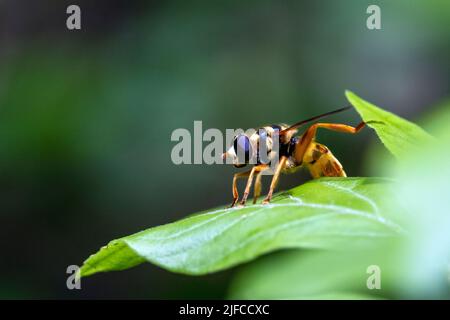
point(348, 92)
point(351, 96)
point(85, 271)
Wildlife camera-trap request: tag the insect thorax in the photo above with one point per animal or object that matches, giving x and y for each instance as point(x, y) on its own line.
point(266, 150)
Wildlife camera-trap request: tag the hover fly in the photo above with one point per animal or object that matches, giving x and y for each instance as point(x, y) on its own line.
point(293, 152)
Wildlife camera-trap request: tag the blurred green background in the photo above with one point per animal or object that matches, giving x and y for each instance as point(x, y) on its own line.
point(86, 116)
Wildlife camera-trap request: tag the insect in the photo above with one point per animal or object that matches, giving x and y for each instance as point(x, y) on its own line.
point(293, 152)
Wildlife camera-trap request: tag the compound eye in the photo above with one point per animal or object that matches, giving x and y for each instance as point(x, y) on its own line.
point(242, 147)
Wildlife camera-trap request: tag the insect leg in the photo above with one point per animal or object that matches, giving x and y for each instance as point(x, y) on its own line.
point(257, 187)
point(235, 190)
point(275, 178)
point(339, 127)
point(256, 169)
point(310, 134)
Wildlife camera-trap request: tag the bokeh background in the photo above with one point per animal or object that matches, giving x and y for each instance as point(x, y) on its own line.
point(86, 116)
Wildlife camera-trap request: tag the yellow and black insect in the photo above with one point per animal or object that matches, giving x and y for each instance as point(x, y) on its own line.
point(293, 152)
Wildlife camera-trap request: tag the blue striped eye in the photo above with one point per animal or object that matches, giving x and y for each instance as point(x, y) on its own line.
point(242, 146)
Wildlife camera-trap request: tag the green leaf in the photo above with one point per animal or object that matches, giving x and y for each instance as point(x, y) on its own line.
point(398, 135)
point(314, 274)
point(323, 213)
point(423, 190)
point(437, 120)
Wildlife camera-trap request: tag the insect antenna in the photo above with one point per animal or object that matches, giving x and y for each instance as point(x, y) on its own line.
point(298, 124)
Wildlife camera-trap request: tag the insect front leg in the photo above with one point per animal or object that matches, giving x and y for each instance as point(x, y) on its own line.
point(258, 169)
point(234, 187)
point(275, 178)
